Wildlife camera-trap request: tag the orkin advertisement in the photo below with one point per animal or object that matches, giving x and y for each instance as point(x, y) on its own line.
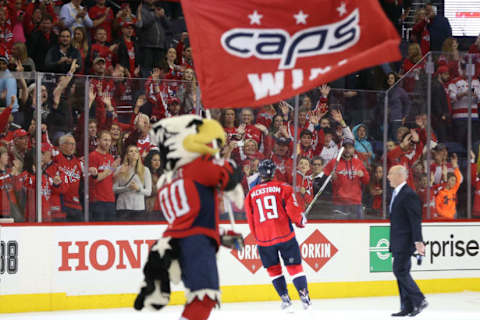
point(316, 251)
point(107, 259)
point(449, 247)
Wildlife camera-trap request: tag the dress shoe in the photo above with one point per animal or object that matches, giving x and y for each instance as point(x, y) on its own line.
point(420, 308)
point(402, 313)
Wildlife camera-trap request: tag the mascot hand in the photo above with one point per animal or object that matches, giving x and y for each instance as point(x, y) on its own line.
point(236, 196)
point(231, 239)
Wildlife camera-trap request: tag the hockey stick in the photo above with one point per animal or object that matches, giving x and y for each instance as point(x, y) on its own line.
point(226, 201)
point(325, 183)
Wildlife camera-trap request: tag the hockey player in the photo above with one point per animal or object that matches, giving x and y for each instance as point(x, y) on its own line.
point(271, 207)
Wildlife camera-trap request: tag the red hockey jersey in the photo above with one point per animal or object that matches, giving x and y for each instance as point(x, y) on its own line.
point(347, 186)
point(190, 203)
point(270, 208)
point(71, 167)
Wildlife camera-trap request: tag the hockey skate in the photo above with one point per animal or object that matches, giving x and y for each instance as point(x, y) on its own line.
point(286, 304)
point(305, 300)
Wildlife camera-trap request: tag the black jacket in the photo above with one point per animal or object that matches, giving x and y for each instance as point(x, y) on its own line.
point(38, 46)
point(151, 29)
point(439, 100)
point(54, 55)
point(122, 54)
point(405, 221)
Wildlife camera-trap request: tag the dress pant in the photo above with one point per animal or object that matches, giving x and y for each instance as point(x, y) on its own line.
point(410, 294)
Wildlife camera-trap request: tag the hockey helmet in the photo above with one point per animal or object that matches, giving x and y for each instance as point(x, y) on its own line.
point(266, 169)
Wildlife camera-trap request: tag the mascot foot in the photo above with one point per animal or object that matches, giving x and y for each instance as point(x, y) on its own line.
point(198, 309)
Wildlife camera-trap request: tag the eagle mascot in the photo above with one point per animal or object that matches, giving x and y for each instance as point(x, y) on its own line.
point(188, 197)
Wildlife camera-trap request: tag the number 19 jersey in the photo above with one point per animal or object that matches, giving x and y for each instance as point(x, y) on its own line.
point(271, 207)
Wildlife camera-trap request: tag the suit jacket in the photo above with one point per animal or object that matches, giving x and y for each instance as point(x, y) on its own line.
point(405, 221)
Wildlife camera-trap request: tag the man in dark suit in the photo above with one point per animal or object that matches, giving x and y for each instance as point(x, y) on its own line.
point(405, 238)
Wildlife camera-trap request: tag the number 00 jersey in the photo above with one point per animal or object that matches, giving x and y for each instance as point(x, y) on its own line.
point(189, 202)
point(271, 208)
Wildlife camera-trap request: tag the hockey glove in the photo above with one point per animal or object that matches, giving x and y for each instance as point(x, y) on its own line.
point(303, 221)
point(231, 239)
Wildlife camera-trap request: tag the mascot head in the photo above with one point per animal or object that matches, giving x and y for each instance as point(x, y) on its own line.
point(182, 139)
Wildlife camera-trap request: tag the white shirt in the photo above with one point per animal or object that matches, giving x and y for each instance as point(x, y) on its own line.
point(395, 193)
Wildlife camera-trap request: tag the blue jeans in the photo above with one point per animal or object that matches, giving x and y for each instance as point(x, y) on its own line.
point(102, 211)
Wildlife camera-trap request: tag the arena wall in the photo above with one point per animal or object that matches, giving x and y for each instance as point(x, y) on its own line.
point(68, 267)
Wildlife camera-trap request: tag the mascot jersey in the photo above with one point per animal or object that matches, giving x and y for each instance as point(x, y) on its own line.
point(189, 202)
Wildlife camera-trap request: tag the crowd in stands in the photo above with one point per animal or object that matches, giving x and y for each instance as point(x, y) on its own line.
point(141, 71)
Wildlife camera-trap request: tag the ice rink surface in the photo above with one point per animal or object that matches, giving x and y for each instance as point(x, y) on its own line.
point(451, 306)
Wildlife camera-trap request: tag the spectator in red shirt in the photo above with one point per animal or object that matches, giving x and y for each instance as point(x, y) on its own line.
point(9, 183)
point(72, 169)
point(265, 115)
point(229, 124)
point(304, 183)
point(102, 17)
point(140, 136)
point(375, 188)
point(306, 145)
point(451, 57)
point(51, 186)
point(414, 56)
point(250, 129)
point(420, 33)
point(153, 92)
point(6, 32)
point(184, 52)
point(282, 160)
point(348, 179)
point(100, 49)
point(124, 16)
point(174, 73)
point(34, 13)
point(102, 165)
point(277, 129)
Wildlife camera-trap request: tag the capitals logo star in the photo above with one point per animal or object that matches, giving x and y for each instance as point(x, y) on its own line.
point(301, 17)
point(255, 17)
point(342, 9)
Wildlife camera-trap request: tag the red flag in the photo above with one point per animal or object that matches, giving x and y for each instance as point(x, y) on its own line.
point(256, 52)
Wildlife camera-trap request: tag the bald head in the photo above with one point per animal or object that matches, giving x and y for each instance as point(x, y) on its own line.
point(397, 175)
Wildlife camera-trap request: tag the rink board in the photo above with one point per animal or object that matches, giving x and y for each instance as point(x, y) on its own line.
point(67, 267)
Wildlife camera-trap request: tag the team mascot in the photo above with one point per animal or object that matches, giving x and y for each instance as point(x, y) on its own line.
point(187, 195)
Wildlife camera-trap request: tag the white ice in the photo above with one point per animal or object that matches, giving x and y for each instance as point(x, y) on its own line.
point(451, 306)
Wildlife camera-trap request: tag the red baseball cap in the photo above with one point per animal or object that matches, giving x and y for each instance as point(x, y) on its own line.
point(442, 69)
point(19, 133)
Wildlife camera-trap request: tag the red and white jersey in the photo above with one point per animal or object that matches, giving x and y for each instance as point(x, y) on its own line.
point(458, 86)
point(347, 186)
point(252, 132)
point(8, 185)
point(271, 207)
point(190, 202)
point(72, 169)
point(144, 145)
